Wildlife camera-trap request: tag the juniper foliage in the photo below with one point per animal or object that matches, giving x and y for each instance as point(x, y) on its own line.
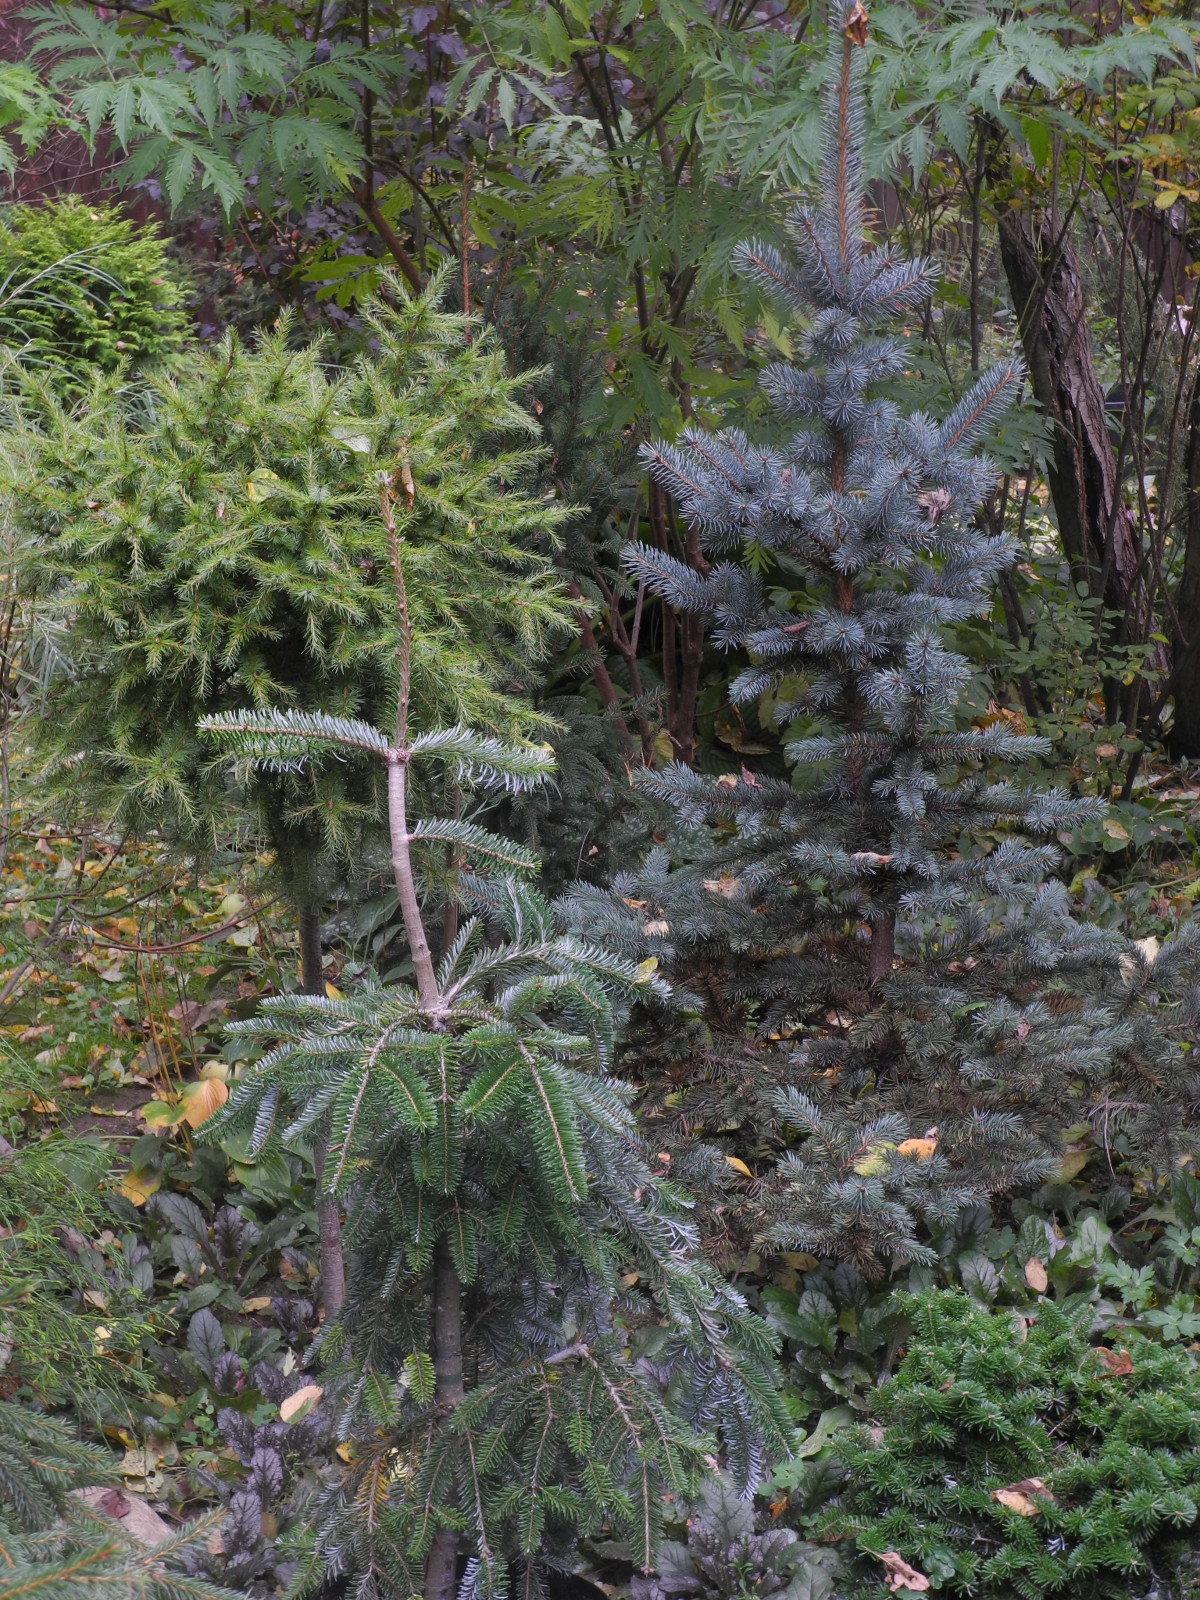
point(887, 915)
point(503, 1212)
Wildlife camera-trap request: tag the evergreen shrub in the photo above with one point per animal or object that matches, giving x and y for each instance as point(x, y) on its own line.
point(1010, 1457)
point(83, 286)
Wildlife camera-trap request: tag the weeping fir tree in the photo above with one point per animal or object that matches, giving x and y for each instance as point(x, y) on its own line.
point(532, 1343)
point(939, 1015)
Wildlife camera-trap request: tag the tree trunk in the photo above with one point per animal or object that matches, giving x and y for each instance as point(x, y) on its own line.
point(1184, 740)
point(441, 1569)
point(883, 949)
point(329, 1211)
point(1098, 534)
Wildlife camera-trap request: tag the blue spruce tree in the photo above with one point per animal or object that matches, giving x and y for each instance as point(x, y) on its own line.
point(929, 1015)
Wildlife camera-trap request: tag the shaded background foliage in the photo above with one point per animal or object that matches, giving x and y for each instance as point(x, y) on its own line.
point(577, 176)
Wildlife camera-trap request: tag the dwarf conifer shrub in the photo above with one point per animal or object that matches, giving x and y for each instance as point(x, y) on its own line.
point(1009, 1457)
point(81, 286)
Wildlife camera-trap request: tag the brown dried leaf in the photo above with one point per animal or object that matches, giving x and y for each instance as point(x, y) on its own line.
point(900, 1575)
point(855, 29)
point(1036, 1276)
point(1116, 1364)
point(1023, 1497)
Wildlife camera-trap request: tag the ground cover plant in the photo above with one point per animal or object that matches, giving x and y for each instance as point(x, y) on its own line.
point(597, 843)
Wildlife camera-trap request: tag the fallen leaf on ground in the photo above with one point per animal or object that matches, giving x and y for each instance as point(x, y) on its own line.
point(137, 1187)
point(1116, 1364)
point(298, 1405)
point(201, 1099)
point(1036, 1276)
point(900, 1575)
point(1023, 1497)
point(923, 1149)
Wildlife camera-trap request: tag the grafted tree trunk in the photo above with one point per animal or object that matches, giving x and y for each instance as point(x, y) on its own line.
point(1099, 536)
point(329, 1212)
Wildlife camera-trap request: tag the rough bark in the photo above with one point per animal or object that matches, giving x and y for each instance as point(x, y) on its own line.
point(441, 1569)
point(1098, 534)
point(329, 1211)
point(1184, 738)
point(883, 949)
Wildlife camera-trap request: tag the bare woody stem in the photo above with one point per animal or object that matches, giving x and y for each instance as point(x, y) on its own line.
point(397, 757)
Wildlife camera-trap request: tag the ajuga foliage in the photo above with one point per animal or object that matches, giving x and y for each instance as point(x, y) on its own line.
point(54, 1546)
point(730, 1555)
point(885, 914)
point(211, 540)
point(82, 286)
point(531, 1342)
point(1009, 1458)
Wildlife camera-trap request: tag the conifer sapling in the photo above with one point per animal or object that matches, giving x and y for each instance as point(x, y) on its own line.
point(884, 914)
point(532, 1343)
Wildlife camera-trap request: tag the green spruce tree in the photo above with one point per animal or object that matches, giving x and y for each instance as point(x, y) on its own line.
point(532, 1345)
point(928, 1013)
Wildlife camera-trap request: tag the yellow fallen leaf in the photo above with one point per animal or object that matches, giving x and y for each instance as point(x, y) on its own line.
point(739, 1166)
point(139, 1462)
point(921, 1148)
point(201, 1099)
point(345, 1452)
point(332, 990)
point(874, 1160)
point(799, 1261)
point(646, 969)
point(137, 1187)
point(100, 1337)
point(258, 1302)
point(162, 1114)
point(96, 1299)
point(1035, 1275)
point(629, 1280)
point(298, 1405)
point(1073, 1163)
point(215, 1069)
